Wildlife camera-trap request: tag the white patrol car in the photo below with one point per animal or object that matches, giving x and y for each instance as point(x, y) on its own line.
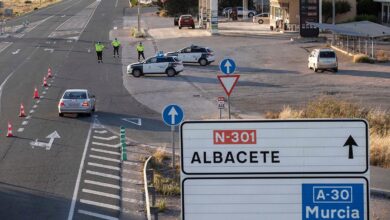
point(156, 65)
point(194, 54)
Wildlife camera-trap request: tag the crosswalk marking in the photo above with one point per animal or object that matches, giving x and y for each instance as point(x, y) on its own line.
point(109, 195)
point(105, 151)
point(103, 166)
point(104, 158)
point(125, 189)
point(104, 205)
point(105, 138)
point(106, 145)
point(102, 184)
point(100, 132)
point(97, 215)
point(132, 163)
point(103, 174)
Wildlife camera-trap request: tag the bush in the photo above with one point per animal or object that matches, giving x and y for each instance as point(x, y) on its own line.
point(362, 58)
point(163, 13)
point(166, 186)
point(162, 205)
point(135, 33)
point(365, 17)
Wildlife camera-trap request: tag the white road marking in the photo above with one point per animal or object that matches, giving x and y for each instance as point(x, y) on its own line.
point(94, 192)
point(105, 151)
point(132, 181)
point(104, 205)
point(24, 122)
point(46, 88)
point(51, 50)
point(28, 117)
point(76, 187)
point(20, 130)
point(103, 175)
point(105, 138)
point(100, 132)
point(97, 215)
point(44, 92)
point(35, 106)
point(97, 124)
point(7, 44)
point(131, 163)
point(16, 52)
point(102, 184)
point(106, 145)
point(104, 158)
point(135, 201)
point(103, 166)
point(116, 3)
point(136, 121)
point(38, 101)
point(129, 189)
point(42, 96)
point(32, 111)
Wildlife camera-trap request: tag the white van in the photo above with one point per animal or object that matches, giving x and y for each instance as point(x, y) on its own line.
point(323, 59)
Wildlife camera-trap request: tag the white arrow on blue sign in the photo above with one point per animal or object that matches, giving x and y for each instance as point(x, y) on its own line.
point(172, 115)
point(227, 66)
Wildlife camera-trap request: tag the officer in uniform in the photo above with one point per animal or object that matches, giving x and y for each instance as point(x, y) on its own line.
point(116, 44)
point(140, 50)
point(99, 51)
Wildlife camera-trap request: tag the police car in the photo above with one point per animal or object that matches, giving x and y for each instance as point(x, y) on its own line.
point(159, 64)
point(194, 54)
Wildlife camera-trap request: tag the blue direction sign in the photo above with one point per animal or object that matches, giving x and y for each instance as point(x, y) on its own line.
point(227, 66)
point(172, 115)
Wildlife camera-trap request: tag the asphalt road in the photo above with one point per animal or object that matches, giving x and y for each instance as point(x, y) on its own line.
point(37, 183)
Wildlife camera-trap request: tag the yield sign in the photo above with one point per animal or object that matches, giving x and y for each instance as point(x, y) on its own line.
point(228, 82)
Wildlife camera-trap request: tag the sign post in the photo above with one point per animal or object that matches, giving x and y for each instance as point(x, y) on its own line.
point(221, 105)
point(172, 116)
point(275, 169)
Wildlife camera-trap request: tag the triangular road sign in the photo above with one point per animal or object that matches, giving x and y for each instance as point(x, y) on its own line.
point(228, 82)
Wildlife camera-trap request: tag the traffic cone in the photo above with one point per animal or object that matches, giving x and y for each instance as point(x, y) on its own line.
point(36, 94)
point(44, 82)
point(49, 73)
point(22, 113)
point(9, 132)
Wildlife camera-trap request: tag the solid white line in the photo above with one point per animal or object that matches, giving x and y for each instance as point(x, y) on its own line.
point(103, 174)
point(97, 215)
point(9, 44)
point(109, 195)
point(105, 138)
point(105, 151)
point(100, 132)
point(101, 184)
point(24, 122)
point(103, 166)
point(104, 158)
point(20, 129)
point(76, 187)
point(106, 145)
point(104, 205)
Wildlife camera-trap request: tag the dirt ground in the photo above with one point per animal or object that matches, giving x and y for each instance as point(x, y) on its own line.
point(20, 7)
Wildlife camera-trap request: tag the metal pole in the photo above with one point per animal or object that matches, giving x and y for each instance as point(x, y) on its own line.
point(320, 12)
point(262, 6)
point(372, 47)
point(333, 16)
point(173, 147)
point(220, 113)
point(228, 99)
point(139, 16)
point(366, 47)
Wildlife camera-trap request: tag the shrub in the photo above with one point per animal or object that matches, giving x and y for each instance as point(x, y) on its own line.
point(166, 186)
point(135, 33)
point(361, 58)
point(163, 13)
point(162, 205)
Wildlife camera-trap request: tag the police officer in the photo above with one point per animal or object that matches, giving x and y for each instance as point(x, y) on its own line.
point(140, 50)
point(116, 44)
point(99, 51)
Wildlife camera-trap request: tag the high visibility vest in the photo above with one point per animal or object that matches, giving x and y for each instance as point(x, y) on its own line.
point(140, 48)
point(99, 47)
point(116, 43)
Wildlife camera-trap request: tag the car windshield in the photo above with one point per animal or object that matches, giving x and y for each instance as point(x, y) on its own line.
point(75, 95)
point(327, 54)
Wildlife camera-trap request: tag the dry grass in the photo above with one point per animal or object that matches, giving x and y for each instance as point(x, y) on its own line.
point(361, 58)
point(20, 7)
point(326, 107)
point(162, 205)
point(166, 186)
point(160, 155)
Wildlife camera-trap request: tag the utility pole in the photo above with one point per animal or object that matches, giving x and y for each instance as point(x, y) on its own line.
point(320, 12)
point(333, 19)
point(139, 16)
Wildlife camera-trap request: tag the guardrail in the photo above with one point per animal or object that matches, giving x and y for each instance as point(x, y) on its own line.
point(147, 203)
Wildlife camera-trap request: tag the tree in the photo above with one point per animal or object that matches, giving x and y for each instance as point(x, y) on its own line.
point(341, 8)
point(175, 7)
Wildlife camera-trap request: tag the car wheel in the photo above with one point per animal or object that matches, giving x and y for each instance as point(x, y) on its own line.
point(179, 27)
point(315, 69)
point(335, 70)
point(61, 114)
point(203, 62)
point(260, 21)
point(250, 15)
point(137, 73)
point(171, 72)
point(193, 26)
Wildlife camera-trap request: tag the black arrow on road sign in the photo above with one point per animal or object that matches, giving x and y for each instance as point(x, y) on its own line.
point(350, 142)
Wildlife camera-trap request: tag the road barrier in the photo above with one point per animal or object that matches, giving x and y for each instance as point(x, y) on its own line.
point(123, 143)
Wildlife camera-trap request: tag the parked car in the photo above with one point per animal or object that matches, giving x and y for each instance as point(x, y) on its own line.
point(323, 59)
point(186, 21)
point(240, 12)
point(159, 64)
point(194, 54)
point(79, 101)
point(262, 18)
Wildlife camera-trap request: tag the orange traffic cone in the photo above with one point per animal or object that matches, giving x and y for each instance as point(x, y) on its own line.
point(9, 132)
point(49, 73)
point(36, 94)
point(44, 81)
point(22, 113)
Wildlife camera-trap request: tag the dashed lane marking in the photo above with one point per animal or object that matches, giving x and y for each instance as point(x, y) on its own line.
point(24, 122)
point(38, 101)
point(97, 215)
point(103, 174)
point(105, 138)
point(105, 151)
point(101, 184)
point(103, 166)
point(44, 92)
point(28, 117)
point(106, 145)
point(32, 111)
point(99, 204)
point(20, 130)
point(100, 132)
point(94, 192)
point(104, 158)
point(35, 106)
point(46, 88)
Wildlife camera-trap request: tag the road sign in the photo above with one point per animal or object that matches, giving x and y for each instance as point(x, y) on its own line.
point(172, 115)
point(320, 169)
point(227, 66)
point(283, 147)
point(275, 198)
point(221, 102)
point(228, 82)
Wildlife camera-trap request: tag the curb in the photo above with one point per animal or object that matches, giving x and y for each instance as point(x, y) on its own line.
point(375, 192)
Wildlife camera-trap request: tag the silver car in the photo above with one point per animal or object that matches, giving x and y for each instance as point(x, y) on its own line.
point(78, 101)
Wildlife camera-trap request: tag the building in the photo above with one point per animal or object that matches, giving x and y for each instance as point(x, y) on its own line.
point(385, 11)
